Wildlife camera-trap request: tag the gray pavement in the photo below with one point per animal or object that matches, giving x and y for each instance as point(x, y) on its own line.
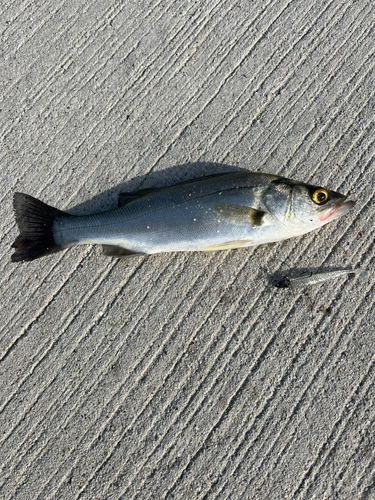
point(187, 376)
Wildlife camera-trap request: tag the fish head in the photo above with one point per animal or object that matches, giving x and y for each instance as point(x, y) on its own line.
point(302, 207)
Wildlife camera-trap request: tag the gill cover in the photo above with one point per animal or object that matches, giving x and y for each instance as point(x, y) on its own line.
point(278, 198)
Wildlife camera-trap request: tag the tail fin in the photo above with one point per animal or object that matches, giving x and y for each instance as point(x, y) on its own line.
point(35, 222)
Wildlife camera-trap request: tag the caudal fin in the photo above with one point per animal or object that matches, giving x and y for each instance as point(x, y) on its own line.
point(35, 223)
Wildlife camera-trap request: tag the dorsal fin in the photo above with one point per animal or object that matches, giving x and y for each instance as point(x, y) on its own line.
point(125, 198)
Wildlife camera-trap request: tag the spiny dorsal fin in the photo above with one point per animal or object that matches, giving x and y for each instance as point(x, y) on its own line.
point(239, 214)
point(125, 198)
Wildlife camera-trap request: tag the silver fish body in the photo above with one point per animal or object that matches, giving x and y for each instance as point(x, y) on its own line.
point(217, 212)
point(200, 215)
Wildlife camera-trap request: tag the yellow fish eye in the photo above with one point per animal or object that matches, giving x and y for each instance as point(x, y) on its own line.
point(320, 196)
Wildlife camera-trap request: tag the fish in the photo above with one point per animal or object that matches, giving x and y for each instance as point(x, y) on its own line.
point(314, 279)
point(217, 212)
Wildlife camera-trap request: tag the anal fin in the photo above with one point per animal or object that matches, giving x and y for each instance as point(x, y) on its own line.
point(121, 252)
point(228, 245)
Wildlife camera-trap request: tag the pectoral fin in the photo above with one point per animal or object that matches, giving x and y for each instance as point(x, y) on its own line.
point(239, 214)
point(116, 251)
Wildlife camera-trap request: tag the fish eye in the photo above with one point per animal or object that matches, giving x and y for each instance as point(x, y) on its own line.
point(320, 196)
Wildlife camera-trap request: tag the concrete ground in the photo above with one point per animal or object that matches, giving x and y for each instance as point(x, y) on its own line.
point(187, 376)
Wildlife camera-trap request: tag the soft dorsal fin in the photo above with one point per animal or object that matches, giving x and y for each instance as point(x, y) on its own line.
point(125, 198)
point(117, 251)
point(239, 214)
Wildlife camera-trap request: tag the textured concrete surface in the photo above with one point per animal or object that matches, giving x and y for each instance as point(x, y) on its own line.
point(187, 376)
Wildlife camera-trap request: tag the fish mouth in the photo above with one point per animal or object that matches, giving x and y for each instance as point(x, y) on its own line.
point(336, 211)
